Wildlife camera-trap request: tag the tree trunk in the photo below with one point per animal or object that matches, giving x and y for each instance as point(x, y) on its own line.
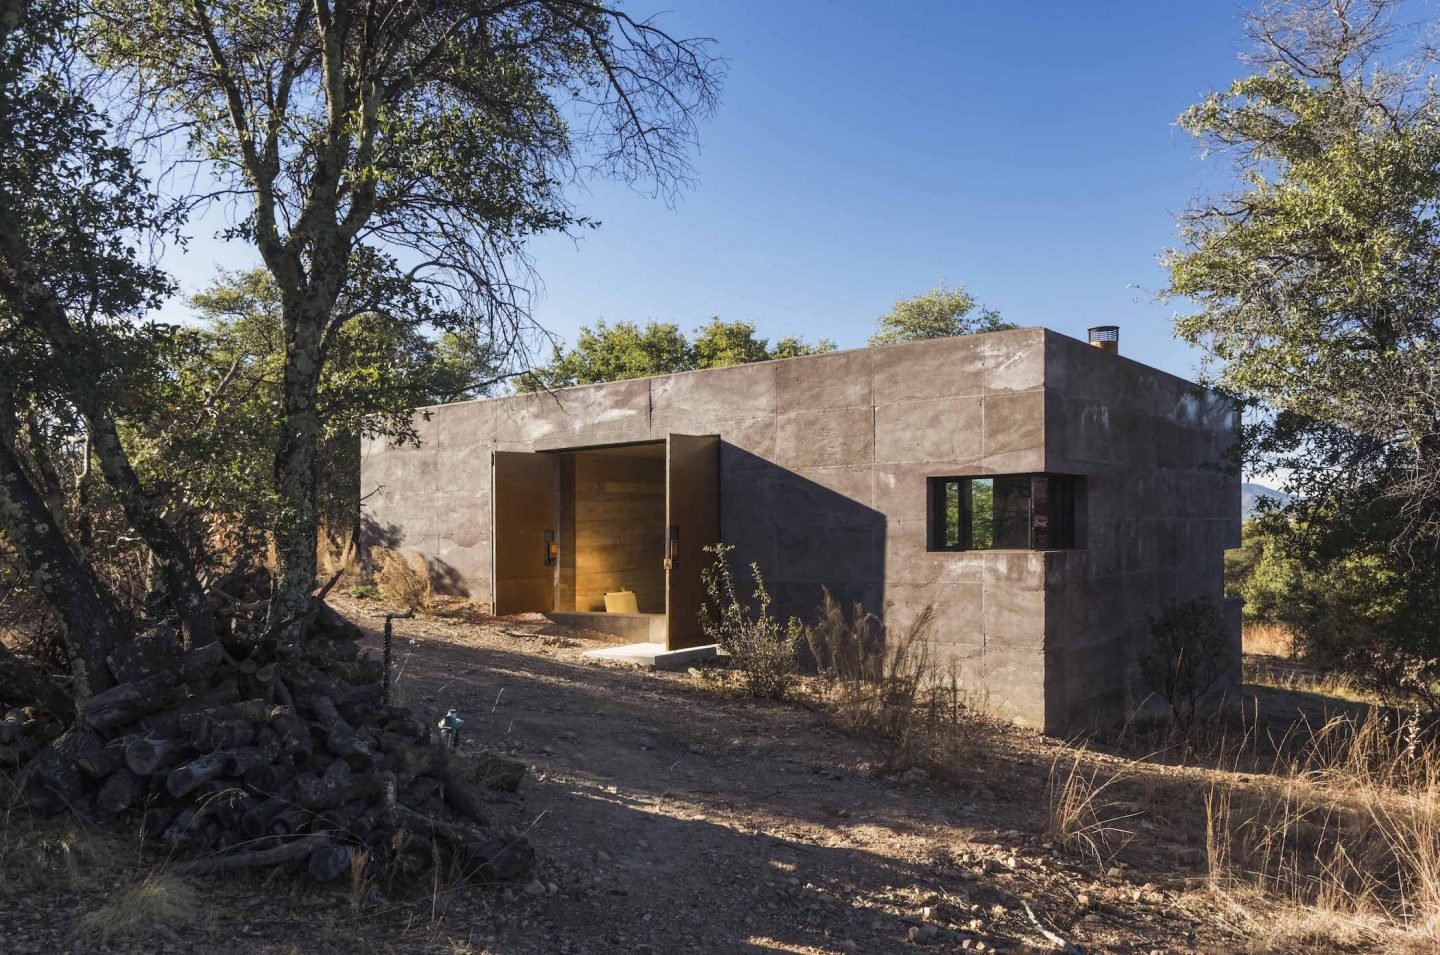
point(176, 569)
point(21, 681)
point(297, 526)
point(48, 478)
point(90, 631)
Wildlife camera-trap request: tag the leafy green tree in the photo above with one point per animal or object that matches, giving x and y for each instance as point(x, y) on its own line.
point(1315, 286)
point(1353, 602)
point(942, 312)
point(612, 353)
point(214, 424)
point(1263, 574)
point(74, 354)
point(1240, 563)
point(792, 346)
point(1317, 281)
point(395, 155)
point(626, 350)
point(718, 343)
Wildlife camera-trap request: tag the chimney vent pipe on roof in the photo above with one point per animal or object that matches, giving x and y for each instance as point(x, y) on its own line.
point(1106, 338)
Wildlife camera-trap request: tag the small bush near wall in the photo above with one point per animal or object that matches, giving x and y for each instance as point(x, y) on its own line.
point(1187, 656)
point(402, 580)
point(761, 649)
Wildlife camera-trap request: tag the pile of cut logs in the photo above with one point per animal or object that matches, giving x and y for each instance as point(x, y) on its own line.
point(265, 759)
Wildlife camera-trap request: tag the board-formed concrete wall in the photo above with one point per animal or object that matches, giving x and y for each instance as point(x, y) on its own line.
point(1161, 509)
point(824, 461)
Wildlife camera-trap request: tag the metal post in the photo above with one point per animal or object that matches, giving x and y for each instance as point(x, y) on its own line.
point(450, 725)
point(385, 686)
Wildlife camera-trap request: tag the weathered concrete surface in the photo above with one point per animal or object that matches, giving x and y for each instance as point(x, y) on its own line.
point(1160, 512)
point(824, 462)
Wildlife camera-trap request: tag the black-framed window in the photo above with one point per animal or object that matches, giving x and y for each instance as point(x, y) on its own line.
point(1003, 512)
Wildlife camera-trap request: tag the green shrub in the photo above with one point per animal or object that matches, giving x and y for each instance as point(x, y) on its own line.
point(1187, 655)
point(761, 650)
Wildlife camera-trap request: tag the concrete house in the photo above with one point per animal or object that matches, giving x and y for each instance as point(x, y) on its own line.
point(1043, 495)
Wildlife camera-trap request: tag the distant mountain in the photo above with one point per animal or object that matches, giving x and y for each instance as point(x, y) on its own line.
point(1250, 495)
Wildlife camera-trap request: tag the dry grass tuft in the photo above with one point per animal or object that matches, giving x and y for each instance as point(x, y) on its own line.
point(403, 579)
point(1082, 815)
point(359, 881)
point(136, 910)
point(885, 685)
point(336, 554)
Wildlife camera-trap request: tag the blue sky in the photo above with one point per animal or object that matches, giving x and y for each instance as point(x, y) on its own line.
point(865, 151)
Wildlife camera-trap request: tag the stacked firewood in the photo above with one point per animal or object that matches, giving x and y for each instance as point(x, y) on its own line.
point(245, 757)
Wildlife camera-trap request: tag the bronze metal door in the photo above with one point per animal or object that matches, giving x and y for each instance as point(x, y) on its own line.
point(692, 523)
point(525, 509)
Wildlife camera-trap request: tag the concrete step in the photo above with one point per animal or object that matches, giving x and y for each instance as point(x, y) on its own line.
point(654, 655)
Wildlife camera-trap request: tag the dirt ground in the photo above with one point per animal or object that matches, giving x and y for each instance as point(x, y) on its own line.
point(670, 817)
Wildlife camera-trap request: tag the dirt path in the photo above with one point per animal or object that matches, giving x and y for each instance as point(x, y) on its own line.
point(669, 818)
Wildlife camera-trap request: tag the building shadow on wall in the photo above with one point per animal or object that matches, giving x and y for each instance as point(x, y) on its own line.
point(805, 537)
point(444, 579)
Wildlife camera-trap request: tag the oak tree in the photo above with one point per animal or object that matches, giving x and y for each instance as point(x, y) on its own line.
point(623, 350)
point(943, 312)
point(75, 215)
point(1313, 286)
point(424, 140)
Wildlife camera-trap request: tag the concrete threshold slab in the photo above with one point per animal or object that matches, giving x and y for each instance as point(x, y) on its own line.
point(654, 655)
point(624, 627)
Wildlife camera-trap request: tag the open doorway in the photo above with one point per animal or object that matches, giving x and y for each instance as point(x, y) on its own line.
point(612, 528)
point(628, 521)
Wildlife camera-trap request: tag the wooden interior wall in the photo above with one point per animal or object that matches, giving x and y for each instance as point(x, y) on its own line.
point(619, 517)
point(565, 578)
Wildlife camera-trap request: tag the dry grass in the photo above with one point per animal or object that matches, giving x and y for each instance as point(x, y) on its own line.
point(1314, 837)
point(360, 881)
point(64, 854)
point(51, 855)
point(886, 685)
point(1272, 659)
point(1339, 842)
point(336, 554)
point(1268, 639)
point(134, 911)
point(1082, 814)
point(403, 579)
point(1267, 671)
